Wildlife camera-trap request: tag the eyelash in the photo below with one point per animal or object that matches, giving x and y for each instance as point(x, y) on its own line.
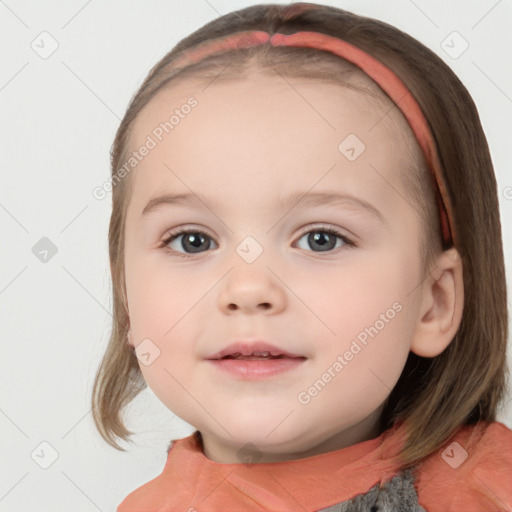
point(177, 233)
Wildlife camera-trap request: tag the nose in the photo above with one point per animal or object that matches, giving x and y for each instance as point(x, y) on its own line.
point(252, 289)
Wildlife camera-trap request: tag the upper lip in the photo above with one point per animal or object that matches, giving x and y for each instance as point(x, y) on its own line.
point(248, 348)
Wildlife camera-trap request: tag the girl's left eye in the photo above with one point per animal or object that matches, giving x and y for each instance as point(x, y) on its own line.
point(325, 238)
point(322, 237)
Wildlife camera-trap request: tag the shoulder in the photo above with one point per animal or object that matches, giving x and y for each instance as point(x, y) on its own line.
point(472, 471)
point(147, 496)
point(141, 498)
point(157, 491)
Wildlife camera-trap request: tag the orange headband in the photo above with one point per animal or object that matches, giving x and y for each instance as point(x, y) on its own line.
point(382, 75)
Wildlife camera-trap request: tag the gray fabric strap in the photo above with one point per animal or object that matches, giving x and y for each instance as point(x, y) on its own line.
point(396, 495)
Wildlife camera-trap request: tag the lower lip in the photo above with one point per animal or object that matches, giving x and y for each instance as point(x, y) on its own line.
point(257, 368)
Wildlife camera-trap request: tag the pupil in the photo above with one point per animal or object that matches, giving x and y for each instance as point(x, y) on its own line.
point(323, 239)
point(195, 240)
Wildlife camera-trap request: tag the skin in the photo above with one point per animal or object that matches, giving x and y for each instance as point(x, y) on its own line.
point(243, 146)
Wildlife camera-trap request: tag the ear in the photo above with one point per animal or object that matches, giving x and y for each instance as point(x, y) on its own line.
point(441, 306)
point(129, 335)
point(129, 339)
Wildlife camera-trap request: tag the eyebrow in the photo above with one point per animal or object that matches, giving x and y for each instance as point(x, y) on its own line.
point(286, 203)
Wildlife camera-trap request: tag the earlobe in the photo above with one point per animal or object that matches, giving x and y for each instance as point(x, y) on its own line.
point(441, 307)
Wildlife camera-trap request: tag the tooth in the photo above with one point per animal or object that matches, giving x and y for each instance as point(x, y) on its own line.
point(263, 354)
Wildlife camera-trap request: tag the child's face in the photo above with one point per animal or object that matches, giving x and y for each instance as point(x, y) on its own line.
point(350, 312)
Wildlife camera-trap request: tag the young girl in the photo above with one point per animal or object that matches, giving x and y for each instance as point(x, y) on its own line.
point(339, 341)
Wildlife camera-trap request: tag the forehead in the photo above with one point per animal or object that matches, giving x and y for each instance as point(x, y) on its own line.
point(267, 128)
point(276, 97)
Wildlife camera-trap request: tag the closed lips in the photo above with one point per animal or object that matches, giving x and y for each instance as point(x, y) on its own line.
point(253, 350)
point(255, 355)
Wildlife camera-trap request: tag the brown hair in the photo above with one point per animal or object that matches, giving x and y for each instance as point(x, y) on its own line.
point(467, 381)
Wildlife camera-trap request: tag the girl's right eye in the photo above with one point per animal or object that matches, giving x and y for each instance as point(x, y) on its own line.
point(193, 240)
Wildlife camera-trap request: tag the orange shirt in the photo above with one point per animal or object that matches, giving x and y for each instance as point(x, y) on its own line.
point(471, 472)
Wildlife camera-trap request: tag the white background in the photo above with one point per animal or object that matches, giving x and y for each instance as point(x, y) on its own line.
point(59, 117)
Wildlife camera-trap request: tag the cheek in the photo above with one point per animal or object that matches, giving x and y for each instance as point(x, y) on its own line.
point(159, 295)
point(167, 306)
point(164, 305)
point(365, 313)
point(365, 340)
point(351, 297)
